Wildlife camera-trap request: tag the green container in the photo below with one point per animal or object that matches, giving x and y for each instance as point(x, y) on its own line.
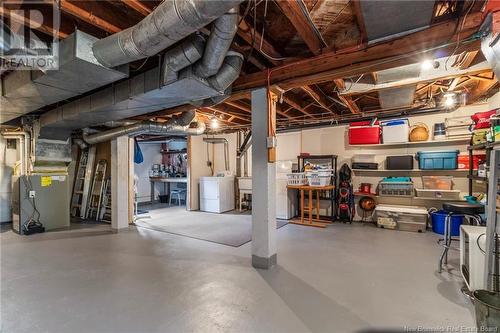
point(487, 304)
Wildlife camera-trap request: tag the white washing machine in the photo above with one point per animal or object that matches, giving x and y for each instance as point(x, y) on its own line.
point(217, 194)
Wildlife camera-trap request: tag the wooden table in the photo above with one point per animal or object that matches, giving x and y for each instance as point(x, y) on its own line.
point(166, 184)
point(311, 222)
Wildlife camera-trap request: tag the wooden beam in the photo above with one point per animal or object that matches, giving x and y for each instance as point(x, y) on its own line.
point(137, 6)
point(482, 88)
point(295, 104)
point(221, 108)
point(28, 22)
point(239, 105)
point(88, 16)
point(351, 104)
point(356, 7)
point(468, 59)
point(246, 32)
point(454, 83)
point(319, 97)
point(294, 11)
point(401, 51)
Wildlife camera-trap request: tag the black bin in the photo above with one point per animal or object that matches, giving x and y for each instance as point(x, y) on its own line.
point(404, 162)
point(163, 198)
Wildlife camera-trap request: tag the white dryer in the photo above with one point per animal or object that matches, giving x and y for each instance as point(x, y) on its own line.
point(217, 194)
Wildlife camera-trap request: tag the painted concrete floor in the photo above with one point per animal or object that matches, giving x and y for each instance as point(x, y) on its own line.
point(346, 278)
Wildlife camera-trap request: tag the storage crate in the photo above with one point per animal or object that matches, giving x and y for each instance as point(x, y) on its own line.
point(361, 133)
point(438, 194)
point(394, 131)
point(463, 161)
point(320, 178)
point(437, 160)
point(437, 182)
point(404, 218)
point(404, 162)
point(297, 178)
point(395, 189)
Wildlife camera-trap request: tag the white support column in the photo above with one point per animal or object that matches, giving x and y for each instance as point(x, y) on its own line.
point(263, 186)
point(120, 163)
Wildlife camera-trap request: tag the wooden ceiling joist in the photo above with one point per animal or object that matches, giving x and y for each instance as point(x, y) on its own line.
point(294, 11)
point(347, 100)
point(295, 104)
point(384, 55)
point(28, 22)
point(319, 96)
point(247, 33)
point(137, 6)
point(88, 16)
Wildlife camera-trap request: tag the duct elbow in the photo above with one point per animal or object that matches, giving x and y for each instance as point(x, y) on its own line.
point(199, 129)
point(223, 31)
point(181, 56)
point(170, 22)
point(228, 73)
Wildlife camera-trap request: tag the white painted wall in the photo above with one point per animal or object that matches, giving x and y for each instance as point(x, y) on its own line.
point(197, 167)
point(8, 158)
point(333, 140)
point(152, 155)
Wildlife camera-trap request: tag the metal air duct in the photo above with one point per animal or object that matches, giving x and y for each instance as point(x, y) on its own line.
point(219, 42)
point(175, 126)
point(170, 22)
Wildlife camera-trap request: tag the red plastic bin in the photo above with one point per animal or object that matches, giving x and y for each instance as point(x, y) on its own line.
point(361, 133)
point(463, 161)
point(482, 119)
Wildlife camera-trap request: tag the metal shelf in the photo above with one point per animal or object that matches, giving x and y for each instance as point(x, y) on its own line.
point(416, 144)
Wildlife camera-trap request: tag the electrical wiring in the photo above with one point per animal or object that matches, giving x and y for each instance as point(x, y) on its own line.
point(458, 33)
point(262, 36)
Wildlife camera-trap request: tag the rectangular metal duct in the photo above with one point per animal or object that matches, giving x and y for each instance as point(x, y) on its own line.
point(397, 97)
point(79, 72)
point(138, 95)
point(385, 18)
point(491, 51)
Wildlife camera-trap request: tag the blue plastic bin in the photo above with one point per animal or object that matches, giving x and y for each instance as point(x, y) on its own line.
point(438, 221)
point(438, 160)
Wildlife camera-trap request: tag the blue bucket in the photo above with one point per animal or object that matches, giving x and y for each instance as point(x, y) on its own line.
point(438, 222)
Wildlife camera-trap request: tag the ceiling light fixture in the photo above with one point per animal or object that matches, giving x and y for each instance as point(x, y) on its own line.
point(449, 100)
point(429, 64)
point(214, 123)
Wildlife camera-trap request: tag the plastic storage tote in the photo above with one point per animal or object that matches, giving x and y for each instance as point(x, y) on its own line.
point(362, 133)
point(394, 131)
point(438, 222)
point(437, 160)
point(438, 194)
point(437, 182)
point(404, 218)
point(395, 189)
point(463, 161)
point(404, 162)
point(482, 119)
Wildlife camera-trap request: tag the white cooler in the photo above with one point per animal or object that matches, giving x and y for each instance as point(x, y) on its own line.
point(405, 218)
point(396, 130)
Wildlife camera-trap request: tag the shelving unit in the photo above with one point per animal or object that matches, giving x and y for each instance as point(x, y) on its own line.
point(415, 144)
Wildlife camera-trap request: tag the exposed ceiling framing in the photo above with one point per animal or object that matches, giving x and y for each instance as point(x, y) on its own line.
point(310, 50)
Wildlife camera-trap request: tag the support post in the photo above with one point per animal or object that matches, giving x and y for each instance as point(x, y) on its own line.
point(263, 183)
point(121, 159)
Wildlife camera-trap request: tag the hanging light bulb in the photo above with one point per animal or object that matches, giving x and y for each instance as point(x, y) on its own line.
point(449, 100)
point(427, 64)
point(214, 123)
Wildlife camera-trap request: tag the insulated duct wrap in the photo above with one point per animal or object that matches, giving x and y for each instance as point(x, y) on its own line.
point(228, 73)
point(223, 31)
point(181, 56)
point(170, 22)
point(176, 126)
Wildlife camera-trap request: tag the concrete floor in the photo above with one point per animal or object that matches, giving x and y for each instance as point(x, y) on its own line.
point(345, 278)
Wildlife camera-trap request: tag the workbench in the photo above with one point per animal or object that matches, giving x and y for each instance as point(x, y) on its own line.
point(166, 184)
point(312, 222)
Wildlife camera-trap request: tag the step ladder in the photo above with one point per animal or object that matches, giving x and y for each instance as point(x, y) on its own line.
point(96, 193)
point(105, 211)
point(82, 182)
